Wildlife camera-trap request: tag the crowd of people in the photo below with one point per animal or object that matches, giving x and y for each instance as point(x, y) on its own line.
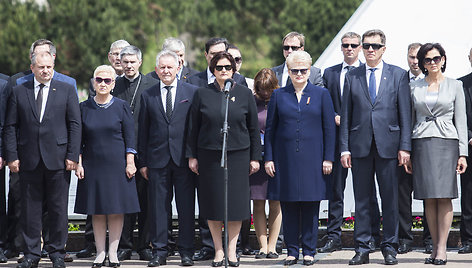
point(139, 141)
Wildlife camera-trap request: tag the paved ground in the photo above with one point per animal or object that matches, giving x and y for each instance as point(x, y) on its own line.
point(336, 259)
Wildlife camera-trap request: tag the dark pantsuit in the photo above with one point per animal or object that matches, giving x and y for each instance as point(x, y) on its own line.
point(53, 186)
point(300, 219)
point(161, 182)
point(363, 170)
point(466, 204)
point(14, 237)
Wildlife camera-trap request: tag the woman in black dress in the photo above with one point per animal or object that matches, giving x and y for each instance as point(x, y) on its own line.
point(106, 188)
point(205, 145)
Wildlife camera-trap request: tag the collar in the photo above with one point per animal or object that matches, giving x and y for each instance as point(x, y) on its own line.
point(174, 84)
point(131, 80)
point(379, 66)
point(36, 83)
point(210, 76)
point(356, 64)
point(411, 75)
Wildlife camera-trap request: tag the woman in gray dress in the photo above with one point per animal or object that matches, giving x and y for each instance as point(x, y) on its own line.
point(439, 141)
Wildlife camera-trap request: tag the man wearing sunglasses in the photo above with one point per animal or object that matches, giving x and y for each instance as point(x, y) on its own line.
point(375, 134)
point(129, 88)
point(294, 41)
point(333, 78)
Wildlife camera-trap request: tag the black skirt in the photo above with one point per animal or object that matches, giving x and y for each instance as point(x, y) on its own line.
point(211, 185)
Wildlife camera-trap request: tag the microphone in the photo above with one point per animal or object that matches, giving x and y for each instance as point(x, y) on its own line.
point(228, 85)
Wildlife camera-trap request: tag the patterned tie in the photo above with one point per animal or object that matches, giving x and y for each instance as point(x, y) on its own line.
point(39, 99)
point(168, 102)
point(372, 85)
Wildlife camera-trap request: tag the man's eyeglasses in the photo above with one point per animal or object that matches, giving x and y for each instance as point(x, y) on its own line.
point(238, 60)
point(107, 81)
point(347, 45)
point(296, 71)
point(434, 60)
point(373, 45)
point(220, 67)
point(294, 48)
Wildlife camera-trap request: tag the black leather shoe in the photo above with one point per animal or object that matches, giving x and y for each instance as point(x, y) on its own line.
point(429, 260)
point(157, 261)
point(440, 262)
point(44, 253)
point(28, 263)
point(308, 262)
point(330, 246)
point(124, 254)
point(466, 249)
point(186, 260)
point(404, 248)
point(371, 246)
point(360, 258)
point(87, 252)
point(217, 263)
point(145, 254)
point(290, 262)
point(203, 255)
point(58, 263)
point(114, 264)
point(233, 263)
point(3, 259)
point(68, 258)
point(261, 255)
point(248, 251)
point(98, 264)
point(272, 255)
point(10, 254)
point(389, 257)
point(21, 259)
point(428, 248)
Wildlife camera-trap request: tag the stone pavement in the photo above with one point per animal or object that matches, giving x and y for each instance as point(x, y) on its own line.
point(335, 259)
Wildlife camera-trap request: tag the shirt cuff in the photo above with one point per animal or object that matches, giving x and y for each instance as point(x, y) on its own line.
point(345, 153)
point(131, 150)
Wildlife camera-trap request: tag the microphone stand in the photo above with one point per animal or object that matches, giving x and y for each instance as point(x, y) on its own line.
point(224, 165)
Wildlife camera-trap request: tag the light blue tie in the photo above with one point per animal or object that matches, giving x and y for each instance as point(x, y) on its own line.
point(372, 85)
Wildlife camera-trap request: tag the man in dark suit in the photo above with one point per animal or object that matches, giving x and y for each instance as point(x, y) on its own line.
point(466, 178)
point(129, 88)
point(294, 41)
point(375, 134)
point(178, 47)
point(161, 149)
point(42, 132)
point(333, 79)
point(213, 46)
point(3, 211)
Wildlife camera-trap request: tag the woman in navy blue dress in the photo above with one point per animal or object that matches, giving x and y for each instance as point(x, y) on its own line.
point(106, 188)
point(299, 153)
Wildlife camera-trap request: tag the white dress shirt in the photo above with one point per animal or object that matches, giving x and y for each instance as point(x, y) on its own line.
point(378, 75)
point(210, 76)
point(45, 95)
point(173, 91)
point(343, 74)
point(285, 75)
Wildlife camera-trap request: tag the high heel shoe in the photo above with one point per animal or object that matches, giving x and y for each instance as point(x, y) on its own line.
point(99, 264)
point(233, 263)
point(429, 260)
point(217, 263)
point(440, 262)
point(114, 264)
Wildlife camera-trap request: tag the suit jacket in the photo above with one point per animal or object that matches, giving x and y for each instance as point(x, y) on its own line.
point(57, 76)
point(467, 85)
point(186, 73)
point(315, 75)
point(447, 119)
point(3, 102)
point(54, 139)
point(4, 77)
point(388, 119)
point(161, 139)
point(201, 79)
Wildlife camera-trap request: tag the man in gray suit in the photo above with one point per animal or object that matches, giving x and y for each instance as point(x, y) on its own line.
point(294, 41)
point(375, 133)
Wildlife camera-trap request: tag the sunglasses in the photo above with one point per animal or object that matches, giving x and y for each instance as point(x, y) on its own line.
point(374, 46)
point(296, 71)
point(294, 48)
point(347, 45)
point(220, 67)
point(107, 81)
point(238, 59)
point(434, 60)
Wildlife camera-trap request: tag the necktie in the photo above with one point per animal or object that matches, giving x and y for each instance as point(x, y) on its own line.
point(372, 85)
point(39, 99)
point(169, 102)
point(348, 68)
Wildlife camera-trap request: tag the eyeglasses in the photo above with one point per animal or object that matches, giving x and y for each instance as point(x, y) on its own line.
point(107, 81)
point(296, 71)
point(220, 67)
point(434, 60)
point(294, 48)
point(238, 59)
point(347, 45)
point(373, 45)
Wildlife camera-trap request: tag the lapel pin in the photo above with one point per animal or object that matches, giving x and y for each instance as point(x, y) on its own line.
point(233, 99)
point(53, 89)
point(308, 100)
point(385, 78)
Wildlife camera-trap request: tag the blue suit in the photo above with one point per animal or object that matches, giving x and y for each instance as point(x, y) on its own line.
point(374, 133)
point(299, 137)
point(331, 79)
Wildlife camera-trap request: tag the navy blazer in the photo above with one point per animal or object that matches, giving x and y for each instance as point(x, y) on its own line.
point(161, 139)
point(201, 79)
point(467, 85)
point(299, 136)
point(54, 139)
point(388, 119)
point(315, 75)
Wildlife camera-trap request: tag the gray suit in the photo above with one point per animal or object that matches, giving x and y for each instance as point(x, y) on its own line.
point(315, 75)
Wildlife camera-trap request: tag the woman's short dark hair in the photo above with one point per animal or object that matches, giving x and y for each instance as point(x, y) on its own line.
point(222, 55)
point(424, 49)
point(265, 81)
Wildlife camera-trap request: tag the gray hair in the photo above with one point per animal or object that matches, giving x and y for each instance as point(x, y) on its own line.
point(351, 35)
point(131, 50)
point(119, 44)
point(375, 32)
point(299, 56)
point(105, 69)
point(40, 42)
point(173, 44)
point(41, 54)
point(170, 53)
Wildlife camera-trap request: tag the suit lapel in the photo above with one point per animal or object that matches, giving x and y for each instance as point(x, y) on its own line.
point(383, 82)
point(160, 104)
point(30, 94)
point(51, 98)
point(337, 74)
point(363, 81)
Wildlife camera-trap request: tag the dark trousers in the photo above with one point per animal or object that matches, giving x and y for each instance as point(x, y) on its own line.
point(89, 237)
point(386, 170)
point(126, 240)
point(300, 219)
point(14, 240)
point(53, 186)
point(3, 211)
point(405, 189)
point(162, 181)
point(466, 203)
point(336, 205)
